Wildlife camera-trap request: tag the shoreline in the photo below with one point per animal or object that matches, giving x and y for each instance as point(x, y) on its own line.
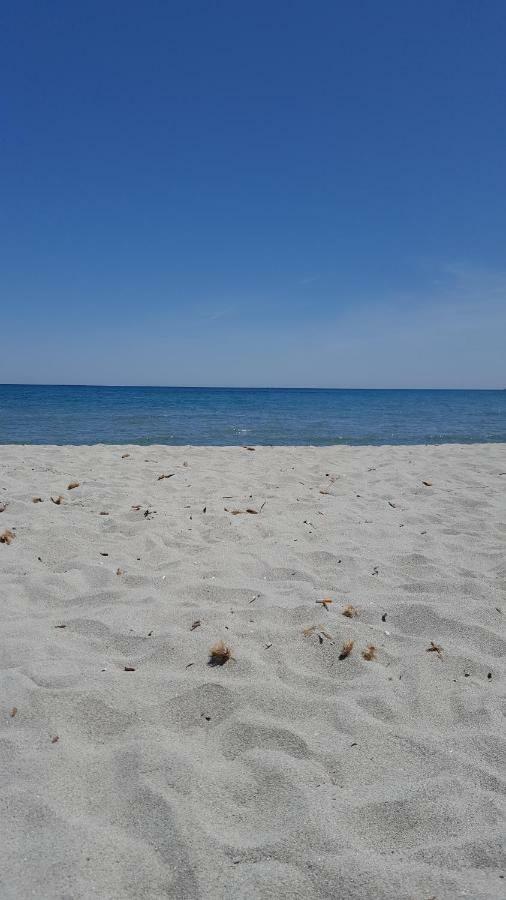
point(125, 446)
point(288, 770)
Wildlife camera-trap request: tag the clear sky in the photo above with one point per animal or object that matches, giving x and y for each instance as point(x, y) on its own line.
point(230, 193)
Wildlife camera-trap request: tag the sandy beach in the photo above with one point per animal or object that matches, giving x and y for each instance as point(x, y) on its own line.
point(132, 768)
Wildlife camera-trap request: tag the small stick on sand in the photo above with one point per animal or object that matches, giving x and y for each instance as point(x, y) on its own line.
point(325, 603)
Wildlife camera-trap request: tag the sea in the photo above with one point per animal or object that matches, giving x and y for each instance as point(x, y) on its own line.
point(83, 414)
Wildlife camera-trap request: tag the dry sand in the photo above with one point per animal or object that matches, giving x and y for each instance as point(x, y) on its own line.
point(286, 772)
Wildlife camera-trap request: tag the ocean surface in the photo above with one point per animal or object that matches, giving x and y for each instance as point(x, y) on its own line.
point(45, 414)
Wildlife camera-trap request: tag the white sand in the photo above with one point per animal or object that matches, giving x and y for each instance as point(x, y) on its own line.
point(286, 773)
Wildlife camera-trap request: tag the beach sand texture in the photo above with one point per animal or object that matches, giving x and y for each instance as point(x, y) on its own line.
point(286, 772)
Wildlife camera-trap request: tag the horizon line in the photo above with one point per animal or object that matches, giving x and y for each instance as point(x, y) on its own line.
point(220, 387)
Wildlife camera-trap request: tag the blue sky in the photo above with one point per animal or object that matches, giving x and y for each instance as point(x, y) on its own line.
point(305, 193)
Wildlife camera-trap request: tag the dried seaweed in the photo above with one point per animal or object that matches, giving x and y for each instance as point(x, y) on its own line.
point(57, 501)
point(370, 652)
point(7, 536)
point(196, 624)
point(72, 485)
point(435, 648)
point(349, 611)
point(219, 654)
point(346, 649)
point(161, 477)
point(37, 500)
point(316, 629)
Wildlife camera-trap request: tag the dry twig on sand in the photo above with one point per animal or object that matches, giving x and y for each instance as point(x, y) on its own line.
point(325, 603)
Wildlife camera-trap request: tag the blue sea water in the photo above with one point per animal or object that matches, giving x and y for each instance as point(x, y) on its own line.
point(47, 414)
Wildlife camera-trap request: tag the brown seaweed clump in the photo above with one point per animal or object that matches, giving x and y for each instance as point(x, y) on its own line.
point(370, 652)
point(219, 654)
point(346, 649)
point(7, 536)
point(350, 611)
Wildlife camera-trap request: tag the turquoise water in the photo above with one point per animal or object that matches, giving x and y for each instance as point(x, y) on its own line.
point(45, 414)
